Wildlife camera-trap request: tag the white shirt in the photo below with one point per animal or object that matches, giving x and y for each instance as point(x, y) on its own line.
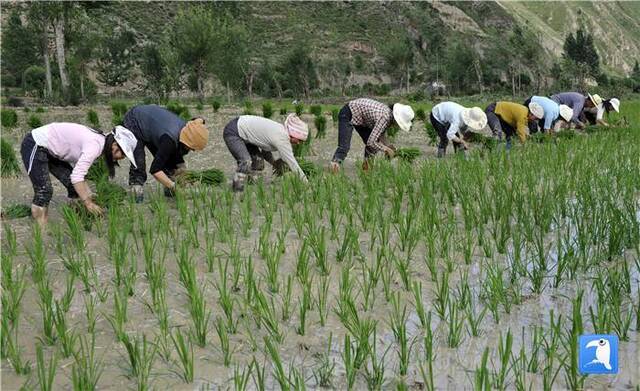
point(449, 113)
point(270, 136)
point(41, 136)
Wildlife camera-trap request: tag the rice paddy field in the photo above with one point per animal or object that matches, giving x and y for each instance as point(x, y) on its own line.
point(476, 273)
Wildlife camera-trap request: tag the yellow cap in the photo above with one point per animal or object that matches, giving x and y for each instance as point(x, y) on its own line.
point(195, 135)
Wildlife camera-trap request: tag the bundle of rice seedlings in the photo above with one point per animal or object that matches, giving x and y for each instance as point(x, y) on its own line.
point(486, 141)
point(9, 166)
point(408, 154)
point(109, 194)
point(210, 177)
point(309, 169)
point(16, 211)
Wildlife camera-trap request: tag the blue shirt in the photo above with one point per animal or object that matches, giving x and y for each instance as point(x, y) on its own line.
point(449, 113)
point(575, 100)
point(551, 110)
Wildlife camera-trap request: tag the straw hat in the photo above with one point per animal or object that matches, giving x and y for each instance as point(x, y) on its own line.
point(403, 115)
point(126, 141)
point(536, 110)
point(566, 112)
point(474, 118)
point(595, 99)
point(615, 103)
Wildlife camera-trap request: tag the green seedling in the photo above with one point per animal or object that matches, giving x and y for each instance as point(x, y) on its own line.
point(46, 375)
point(11, 349)
point(184, 348)
point(241, 378)
point(120, 316)
point(86, 369)
point(325, 365)
point(223, 336)
point(66, 336)
point(90, 313)
point(141, 354)
point(278, 367)
point(504, 354)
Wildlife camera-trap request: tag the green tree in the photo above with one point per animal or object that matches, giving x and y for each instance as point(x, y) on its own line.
point(193, 37)
point(299, 72)
point(459, 65)
point(116, 60)
point(231, 61)
point(398, 57)
point(19, 50)
point(581, 49)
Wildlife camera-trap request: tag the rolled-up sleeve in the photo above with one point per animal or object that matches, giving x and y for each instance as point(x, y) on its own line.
point(454, 128)
point(90, 152)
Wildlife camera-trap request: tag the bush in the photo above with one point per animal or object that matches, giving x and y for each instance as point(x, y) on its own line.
point(267, 110)
point(34, 121)
point(215, 104)
point(334, 114)
point(299, 109)
point(8, 162)
point(179, 109)
point(283, 110)
point(420, 114)
point(9, 118)
point(92, 118)
point(40, 110)
point(118, 109)
point(321, 126)
point(26, 109)
point(315, 110)
point(248, 108)
point(199, 106)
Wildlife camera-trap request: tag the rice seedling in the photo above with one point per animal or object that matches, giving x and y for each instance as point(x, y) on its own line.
point(120, 316)
point(46, 374)
point(9, 118)
point(12, 350)
point(348, 359)
point(398, 323)
point(482, 377)
point(241, 378)
point(286, 300)
point(299, 109)
point(504, 355)
point(325, 365)
point(408, 155)
point(208, 177)
point(320, 122)
point(321, 301)
point(267, 110)
point(65, 335)
point(223, 336)
point(90, 312)
point(118, 109)
point(455, 320)
point(16, 211)
point(9, 166)
point(179, 109)
point(141, 354)
point(38, 256)
point(47, 309)
point(215, 105)
point(267, 316)
point(184, 348)
point(92, 119)
point(86, 369)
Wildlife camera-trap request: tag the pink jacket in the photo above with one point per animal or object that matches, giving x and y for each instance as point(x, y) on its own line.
point(75, 144)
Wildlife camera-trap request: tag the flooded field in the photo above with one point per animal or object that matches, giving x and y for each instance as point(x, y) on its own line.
point(475, 273)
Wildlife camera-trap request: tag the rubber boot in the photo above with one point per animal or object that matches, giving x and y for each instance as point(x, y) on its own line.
point(441, 152)
point(238, 182)
point(40, 215)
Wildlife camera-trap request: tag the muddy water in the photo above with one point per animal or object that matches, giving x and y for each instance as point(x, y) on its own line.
point(453, 368)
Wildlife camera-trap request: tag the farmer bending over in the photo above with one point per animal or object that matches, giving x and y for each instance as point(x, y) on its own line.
point(168, 138)
point(251, 139)
point(509, 118)
point(595, 115)
point(371, 119)
point(452, 121)
point(67, 151)
point(578, 103)
point(556, 116)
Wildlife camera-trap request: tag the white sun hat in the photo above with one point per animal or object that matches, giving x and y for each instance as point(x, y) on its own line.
point(615, 103)
point(595, 99)
point(474, 118)
point(403, 115)
point(566, 112)
point(126, 141)
point(536, 110)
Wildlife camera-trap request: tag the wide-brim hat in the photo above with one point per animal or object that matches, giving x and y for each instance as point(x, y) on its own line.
point(403, 115)
point(566, 112)
point(536, 109)
point(615, 103)
point(474, 118)
point(126, 141)
point(595, 99)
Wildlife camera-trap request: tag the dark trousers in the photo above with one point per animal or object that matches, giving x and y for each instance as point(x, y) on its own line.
point(248, 156)
point(138, 175)
point(442, 129)
point(345, 131)
point(39, 163)
point(497, 125)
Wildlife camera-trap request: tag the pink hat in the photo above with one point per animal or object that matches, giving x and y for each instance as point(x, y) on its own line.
point(296, 127)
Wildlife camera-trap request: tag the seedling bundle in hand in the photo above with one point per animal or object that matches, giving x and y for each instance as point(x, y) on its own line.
point(408, 154)
point(210, 177)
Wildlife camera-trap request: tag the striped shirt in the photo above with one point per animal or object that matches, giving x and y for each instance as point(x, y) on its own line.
point(374, 115)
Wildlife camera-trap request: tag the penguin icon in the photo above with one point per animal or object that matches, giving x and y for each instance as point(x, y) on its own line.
point(603, 352)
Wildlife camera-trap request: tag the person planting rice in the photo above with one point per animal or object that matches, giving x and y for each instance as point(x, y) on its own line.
point(595, 115)
point(67, 151)
point(371, 119)
point(578, 103)
point(251, 140)
point(452, 120)
point(168, 138)
point(555, 115)
point(508, 118)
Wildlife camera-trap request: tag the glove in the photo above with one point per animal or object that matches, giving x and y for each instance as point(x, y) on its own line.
point(279, 167)
point(138, 193)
